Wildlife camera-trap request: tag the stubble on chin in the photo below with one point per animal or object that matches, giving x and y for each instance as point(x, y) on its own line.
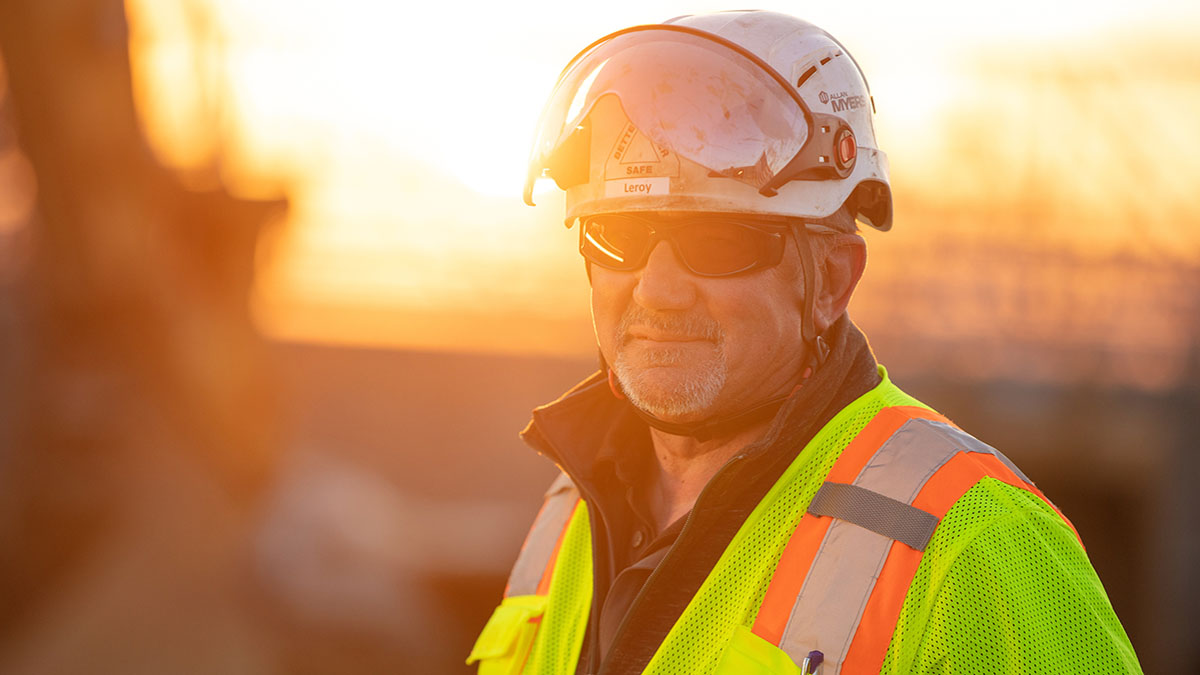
point(671, 382)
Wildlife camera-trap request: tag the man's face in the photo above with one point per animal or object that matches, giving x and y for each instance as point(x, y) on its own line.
point(687, 348)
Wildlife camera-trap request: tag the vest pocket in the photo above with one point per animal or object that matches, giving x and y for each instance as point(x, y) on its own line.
point(503, 646)
point(749, 654)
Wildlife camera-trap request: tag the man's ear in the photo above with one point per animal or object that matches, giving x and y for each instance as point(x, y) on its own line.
point(841, 261)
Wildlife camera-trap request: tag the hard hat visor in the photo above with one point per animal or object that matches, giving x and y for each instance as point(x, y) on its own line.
point(692, 93)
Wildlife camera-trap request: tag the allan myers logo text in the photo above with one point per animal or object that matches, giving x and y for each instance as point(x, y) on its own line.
point(842, 101)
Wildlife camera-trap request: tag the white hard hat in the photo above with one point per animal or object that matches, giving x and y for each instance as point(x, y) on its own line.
point(736, 112)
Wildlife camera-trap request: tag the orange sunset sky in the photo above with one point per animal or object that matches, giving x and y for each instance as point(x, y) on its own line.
point(400, 137)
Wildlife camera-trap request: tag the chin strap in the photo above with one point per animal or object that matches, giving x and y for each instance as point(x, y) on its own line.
point(818, 350)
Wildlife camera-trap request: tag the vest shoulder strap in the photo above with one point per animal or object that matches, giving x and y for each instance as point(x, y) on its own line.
point(539, 626)
point(531, 573)
point(846, 570)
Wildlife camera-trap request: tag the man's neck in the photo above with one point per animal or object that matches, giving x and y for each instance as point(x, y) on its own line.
point(685, 465)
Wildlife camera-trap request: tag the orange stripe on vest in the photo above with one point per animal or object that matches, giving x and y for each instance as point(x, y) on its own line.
point(940, 493)
point(796, 560)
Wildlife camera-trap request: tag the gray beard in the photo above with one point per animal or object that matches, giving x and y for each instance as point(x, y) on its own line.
point(701, 383)
point(696, 393)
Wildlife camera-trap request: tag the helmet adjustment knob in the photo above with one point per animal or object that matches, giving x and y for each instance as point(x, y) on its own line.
point(846, 149)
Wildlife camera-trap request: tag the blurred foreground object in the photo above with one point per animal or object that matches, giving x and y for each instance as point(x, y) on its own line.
point(139, 420)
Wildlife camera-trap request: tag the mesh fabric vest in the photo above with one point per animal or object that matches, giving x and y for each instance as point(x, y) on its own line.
point(794, 582)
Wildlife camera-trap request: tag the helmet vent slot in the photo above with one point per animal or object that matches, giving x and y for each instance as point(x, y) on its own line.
point(813, 69)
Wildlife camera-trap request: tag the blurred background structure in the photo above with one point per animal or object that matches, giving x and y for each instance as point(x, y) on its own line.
point(271, 311)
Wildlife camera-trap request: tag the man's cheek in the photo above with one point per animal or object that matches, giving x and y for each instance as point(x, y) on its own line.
point(606, 330)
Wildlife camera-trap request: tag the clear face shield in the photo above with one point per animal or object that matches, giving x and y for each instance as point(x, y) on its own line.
point(700, 96)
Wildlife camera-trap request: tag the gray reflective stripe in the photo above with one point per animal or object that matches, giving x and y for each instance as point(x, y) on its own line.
point(875, 512)
point(563, 482)
point(543, 537)
point(835, 593)
point(971, 444)
point(902, 465)
point(906, 461)
point(831, 602)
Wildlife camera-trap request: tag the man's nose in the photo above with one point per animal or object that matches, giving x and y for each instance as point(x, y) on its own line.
point(664, 283)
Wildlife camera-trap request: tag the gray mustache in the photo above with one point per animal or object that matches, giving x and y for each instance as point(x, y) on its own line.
point(685, 325)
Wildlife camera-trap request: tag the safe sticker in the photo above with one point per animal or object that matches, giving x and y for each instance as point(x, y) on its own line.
point(633, 155)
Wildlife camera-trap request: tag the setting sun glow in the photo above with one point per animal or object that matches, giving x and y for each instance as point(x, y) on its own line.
point(400, 136)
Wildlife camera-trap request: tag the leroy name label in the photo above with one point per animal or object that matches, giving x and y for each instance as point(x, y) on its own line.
point(629, 187)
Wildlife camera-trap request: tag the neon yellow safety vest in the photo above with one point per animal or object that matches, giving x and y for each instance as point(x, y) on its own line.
point(894, 543)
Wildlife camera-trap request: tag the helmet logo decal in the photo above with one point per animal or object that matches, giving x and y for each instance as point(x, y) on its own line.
point(842, 101)
point(638, 166)
point(634, 155)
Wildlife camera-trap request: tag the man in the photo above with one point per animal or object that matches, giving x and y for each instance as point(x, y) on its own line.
point(744, 490)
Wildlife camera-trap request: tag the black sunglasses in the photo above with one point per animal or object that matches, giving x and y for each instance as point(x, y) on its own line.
point(707, 245)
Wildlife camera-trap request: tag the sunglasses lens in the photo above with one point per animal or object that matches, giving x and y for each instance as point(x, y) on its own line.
point(708, 246)
point(718, 248)
point(615, 242)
